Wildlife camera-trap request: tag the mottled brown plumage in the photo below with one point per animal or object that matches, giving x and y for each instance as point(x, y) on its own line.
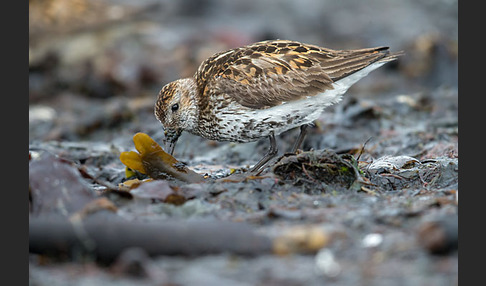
point(262, 89)
point(282, 70)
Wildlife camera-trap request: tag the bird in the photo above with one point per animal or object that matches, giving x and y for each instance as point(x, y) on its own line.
point(261, 90)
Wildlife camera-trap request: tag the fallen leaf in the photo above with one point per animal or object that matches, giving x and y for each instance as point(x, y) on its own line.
point(160, 190)
point(132, 184)
point(153, 161)
point(133, 161)
point(147, 147)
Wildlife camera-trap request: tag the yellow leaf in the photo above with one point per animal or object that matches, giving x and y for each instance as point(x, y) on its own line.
point(132, 160)
point(129, 172)
point(144, 144)
point(150, 150)
point(134, 183)
point(153, 161)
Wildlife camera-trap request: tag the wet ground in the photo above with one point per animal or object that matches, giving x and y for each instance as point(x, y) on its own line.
point(372, 199)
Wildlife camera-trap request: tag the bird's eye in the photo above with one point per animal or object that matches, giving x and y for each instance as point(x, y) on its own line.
point(175, 107)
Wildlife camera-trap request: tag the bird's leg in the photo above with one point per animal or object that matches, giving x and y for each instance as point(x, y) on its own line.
point(270, 154)
point(300, 139)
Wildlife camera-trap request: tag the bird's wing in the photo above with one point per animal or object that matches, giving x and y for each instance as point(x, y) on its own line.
point(268, 73)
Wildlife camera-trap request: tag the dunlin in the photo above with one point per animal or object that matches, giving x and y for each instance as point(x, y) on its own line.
point(261, 90)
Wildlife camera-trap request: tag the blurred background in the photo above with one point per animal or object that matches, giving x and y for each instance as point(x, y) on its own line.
point(95, 67)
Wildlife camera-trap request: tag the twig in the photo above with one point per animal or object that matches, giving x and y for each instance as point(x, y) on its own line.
point(362, 148)
point(392, 175)
point(305, 172)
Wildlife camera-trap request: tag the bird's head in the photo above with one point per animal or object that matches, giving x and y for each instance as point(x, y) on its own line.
point(176, 109)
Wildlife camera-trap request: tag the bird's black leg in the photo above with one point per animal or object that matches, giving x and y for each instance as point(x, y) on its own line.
point(270, 154)
point(300, 139)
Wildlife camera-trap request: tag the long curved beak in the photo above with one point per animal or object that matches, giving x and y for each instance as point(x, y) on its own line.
point(170, 139)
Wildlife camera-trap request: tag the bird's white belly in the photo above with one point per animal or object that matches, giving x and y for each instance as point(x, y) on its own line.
point(250, 125)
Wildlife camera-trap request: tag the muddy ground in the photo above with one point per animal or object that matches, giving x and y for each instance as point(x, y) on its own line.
point(372, 199)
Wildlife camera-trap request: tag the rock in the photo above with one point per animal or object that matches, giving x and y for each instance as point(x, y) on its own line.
point(56, 187)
